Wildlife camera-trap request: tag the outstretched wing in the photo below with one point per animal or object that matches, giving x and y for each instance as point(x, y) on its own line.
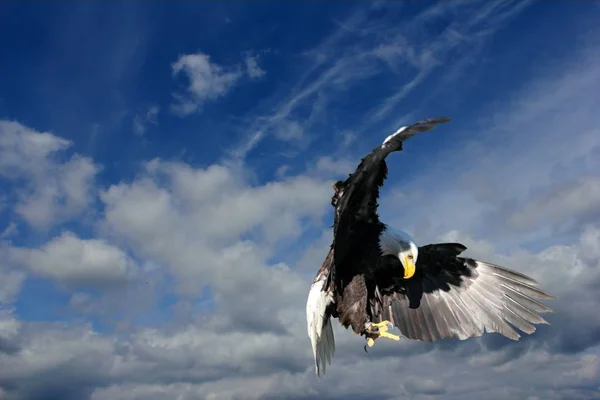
point(452, 296)
point(356, 225)
point(320, 307)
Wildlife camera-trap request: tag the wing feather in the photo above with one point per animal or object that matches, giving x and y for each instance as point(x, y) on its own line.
point(445, 319)
point(518, 322)
point(523, 312)
point(430, 322)
point(464, 298)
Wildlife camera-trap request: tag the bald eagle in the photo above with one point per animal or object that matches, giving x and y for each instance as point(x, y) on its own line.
point(375, 276)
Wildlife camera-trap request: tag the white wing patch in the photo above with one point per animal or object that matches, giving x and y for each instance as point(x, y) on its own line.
point(320, 330)
point(387, 139)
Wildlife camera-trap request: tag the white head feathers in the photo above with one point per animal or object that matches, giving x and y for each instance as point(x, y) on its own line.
point(395, 241)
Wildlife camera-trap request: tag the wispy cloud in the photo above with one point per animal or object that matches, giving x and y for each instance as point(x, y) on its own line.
point(141, 121)
point(516, 179)
point(466, 34)
point(253, 68)
point(358, 50)
point(10, 230)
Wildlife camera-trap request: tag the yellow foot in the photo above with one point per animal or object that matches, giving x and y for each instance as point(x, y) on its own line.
point(383, 326)
point(388, 335)
point(382, 331)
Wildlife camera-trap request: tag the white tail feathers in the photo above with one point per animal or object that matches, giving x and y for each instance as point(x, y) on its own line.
point(320, 330)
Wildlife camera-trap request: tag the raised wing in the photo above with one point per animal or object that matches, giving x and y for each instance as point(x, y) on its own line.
point(357, 226)
point(452, 296)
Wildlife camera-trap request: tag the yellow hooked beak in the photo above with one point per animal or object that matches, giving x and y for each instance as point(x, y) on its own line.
point(409, 267)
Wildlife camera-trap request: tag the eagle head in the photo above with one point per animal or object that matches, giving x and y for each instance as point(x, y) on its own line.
point(400, 244)
point(408, 258)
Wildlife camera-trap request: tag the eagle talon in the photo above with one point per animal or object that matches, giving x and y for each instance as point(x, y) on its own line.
point(388, 335)
point(370, 343)
point(377, 330)
point(380, 327)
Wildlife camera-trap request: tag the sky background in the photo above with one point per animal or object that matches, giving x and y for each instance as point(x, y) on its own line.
point(165, 174)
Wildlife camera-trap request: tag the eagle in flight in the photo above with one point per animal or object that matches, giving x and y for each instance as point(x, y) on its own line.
point(375, 276)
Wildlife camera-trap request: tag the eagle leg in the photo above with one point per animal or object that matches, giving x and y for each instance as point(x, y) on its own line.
point(381, 326)
point(381, 330)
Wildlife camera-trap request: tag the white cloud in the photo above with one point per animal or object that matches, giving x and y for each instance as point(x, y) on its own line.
point(25, 151)
point(579, 198)
point(254, 336)
point(332, 167)
point(72, 260)
point(10, 284)
point(209, 359)
point(192, 221)
point(141, 121)
point(10, 230)
point(207, 81)
point(253, 69)
point(54, 190)
point(289, 130)
point(205, 211)
point(9, 330)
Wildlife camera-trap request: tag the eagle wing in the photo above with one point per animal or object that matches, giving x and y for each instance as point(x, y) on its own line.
point(452, 296)
point(356, 222)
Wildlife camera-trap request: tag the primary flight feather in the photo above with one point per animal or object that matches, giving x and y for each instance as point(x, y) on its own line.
point(374, 275)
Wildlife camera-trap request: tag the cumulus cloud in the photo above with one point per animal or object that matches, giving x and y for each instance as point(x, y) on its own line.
point(205, 211)
point(205, 360)
point(254, 334)
point(571, 203)
point(10, 327)
point(51, 189)
point(10, 283)
point(70, 259)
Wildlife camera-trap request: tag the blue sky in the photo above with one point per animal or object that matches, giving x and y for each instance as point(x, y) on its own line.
point(165, 173)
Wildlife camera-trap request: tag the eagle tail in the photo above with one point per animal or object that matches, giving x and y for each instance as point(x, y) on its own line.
point(320, 329)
